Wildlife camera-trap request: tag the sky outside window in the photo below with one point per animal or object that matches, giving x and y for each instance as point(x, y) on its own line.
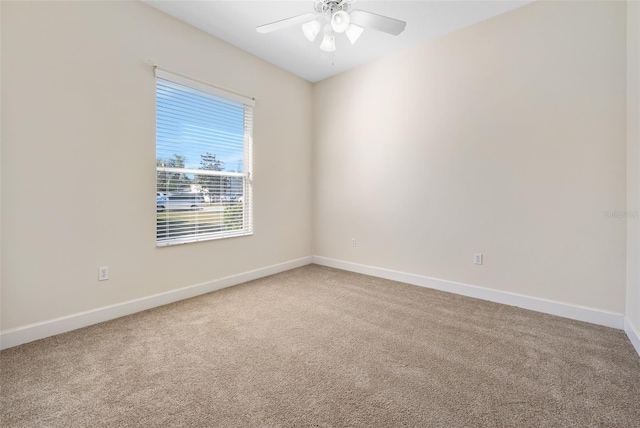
point(192, 123)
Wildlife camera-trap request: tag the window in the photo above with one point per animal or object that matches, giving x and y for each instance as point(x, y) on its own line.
point(203, 162)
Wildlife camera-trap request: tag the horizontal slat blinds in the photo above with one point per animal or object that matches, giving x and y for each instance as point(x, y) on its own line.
point(203, 162)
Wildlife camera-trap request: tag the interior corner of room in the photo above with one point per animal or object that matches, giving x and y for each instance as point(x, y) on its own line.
point(515, 139)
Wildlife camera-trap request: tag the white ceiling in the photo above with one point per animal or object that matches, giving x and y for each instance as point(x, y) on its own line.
point(235, 23)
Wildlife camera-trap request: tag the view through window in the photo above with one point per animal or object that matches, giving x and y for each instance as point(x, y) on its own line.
point(203, 162)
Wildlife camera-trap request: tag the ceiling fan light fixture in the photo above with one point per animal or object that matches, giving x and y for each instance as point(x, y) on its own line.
point(311, 29)
point(340, 21)
point(353, 33)
point(329, 41)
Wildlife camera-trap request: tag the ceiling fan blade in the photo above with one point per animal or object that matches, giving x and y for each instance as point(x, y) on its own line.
point(285, 23)
point(377, 22)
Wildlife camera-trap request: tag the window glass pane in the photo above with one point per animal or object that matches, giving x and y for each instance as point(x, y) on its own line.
point(190, 123)
point(203, 161)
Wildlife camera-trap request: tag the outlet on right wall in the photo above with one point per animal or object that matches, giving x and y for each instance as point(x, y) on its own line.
point(633, 171)
point(507, 138)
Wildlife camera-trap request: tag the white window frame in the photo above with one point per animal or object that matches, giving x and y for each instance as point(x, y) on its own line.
point(246, 175)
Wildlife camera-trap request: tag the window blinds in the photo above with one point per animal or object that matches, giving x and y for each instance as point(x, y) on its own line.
point(203, 161)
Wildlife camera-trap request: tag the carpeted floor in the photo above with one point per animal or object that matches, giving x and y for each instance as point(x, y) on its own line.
point(316, 346)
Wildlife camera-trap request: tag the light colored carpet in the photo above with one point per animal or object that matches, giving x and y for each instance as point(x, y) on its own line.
point(321, 347)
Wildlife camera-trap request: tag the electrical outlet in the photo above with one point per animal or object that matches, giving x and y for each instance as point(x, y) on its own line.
point(353, 242)
point(477, 258)
point(103, 273)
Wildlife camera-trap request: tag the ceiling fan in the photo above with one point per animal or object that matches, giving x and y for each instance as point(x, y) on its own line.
point(338, 19)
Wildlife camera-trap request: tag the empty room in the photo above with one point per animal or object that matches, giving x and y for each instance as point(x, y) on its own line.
point(367, 213)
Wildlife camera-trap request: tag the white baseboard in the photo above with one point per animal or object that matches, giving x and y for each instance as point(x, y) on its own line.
point(580, 313)
point(633, 334)
point(40, 330)
point(29, 333)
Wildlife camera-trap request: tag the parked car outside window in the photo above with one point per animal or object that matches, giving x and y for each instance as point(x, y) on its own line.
point(180, 201)
point(231, 197)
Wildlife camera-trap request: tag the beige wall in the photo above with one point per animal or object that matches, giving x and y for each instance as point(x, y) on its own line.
point(506, 138)
point(78, 157)
point(633, 163)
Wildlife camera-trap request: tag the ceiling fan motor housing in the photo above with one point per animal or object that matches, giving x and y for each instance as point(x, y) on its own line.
point(329, 7)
